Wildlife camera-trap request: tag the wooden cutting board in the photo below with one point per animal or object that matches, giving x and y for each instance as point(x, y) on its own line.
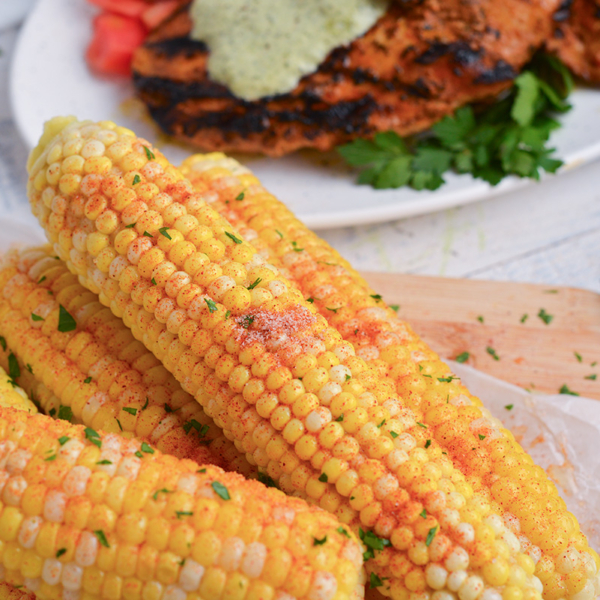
point(465, 315)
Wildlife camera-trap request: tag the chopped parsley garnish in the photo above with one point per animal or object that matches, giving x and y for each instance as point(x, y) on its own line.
point(423, 513)
point(147, 234)
point(427, 444)
point(183, 513)
point(295, 247)
point(119, 424)
point(14, 370)
point(340, 418)
point(35, 317)
point(212, 307)
point(53, 457)
point(147, 448)
point(149, 153)
point(104, 462)
point(524, 318)
point(167, 408)
point(372, 542)
point(130, 226)
point(481, 437)
point(247, 320)
point(201, 471)
point(146, 404)
point(376, 297)
point(279, 233)
point(65, 413)
point(509, 137)
point(381, 424)
point(63, 440)
point(102, 538)
point(341, 530)
point(463, 357)
point(240, 196)
point(192, 423)
point(421, 425)
point(29, 368)
point(153, 281)
point(42, 278)
point(447, 379)
point(232, 237)
point(92, 436)
point(492, 353)
point(395, 307)
point(544, 316)
point(136, 179)
point(310, 300)
point(165, 232)
point(254, 283)
point(227, 315)
point(480, 318)
point(591, 377)
point(323, 478)
point(376, 581)
point(550, 291)
point(319, 542)
point(578, 356)
point(161, 491)
point(266, 480)
point(509, 406)
point(87, 380)
point(431, 535)
point(60, 552)
point(130, 410)
point(565, 390)
point(332, 309)
point(221, 490)
point(348, 377)
point(394, 434)
point(65, 321)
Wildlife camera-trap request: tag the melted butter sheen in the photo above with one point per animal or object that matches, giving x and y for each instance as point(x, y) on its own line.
point(264, 47)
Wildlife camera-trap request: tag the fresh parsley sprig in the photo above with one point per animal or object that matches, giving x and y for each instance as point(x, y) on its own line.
point(507, 138)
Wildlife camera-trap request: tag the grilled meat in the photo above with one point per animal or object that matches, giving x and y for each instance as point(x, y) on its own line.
point(576, 37)
point(418, 63)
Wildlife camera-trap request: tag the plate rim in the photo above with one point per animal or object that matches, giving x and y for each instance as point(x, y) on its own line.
point(430, 202)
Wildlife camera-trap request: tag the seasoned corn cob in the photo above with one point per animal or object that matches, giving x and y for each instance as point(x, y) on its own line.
point(106, 379)
point(8, 592)
point(267, 367)
point(488, 454)
point(93, 515)
point(11, 395)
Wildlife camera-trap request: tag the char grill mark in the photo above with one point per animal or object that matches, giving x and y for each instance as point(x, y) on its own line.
point(576, 37)
point(420, 62)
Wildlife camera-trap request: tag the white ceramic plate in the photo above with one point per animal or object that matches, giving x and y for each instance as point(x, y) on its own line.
point(50, 77)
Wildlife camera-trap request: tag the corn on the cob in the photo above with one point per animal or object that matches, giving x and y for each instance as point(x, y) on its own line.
point(8, 592)
point(480, 447)
point(92, 515)
point(105, 378)
point(11, 395)
point(269, 370)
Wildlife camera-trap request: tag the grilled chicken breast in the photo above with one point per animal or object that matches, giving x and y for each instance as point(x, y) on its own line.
point(576, 37)
point(418, 63)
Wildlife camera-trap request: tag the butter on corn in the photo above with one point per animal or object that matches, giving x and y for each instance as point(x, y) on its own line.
point(95, 373)
point(153, 527)
point(274, 375)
